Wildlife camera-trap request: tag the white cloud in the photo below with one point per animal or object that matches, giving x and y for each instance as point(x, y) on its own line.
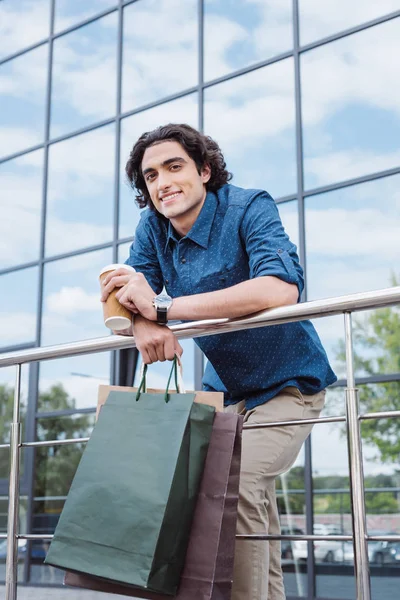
point(368, 232)
point(320, 19)
point(17, 327)
point(21, 27)
point(72, 300)
point(346, 164)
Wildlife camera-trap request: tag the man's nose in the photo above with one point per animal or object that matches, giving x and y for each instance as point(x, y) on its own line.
point(163, 181)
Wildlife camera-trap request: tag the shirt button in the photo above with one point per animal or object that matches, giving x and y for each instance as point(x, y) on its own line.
point(183, 260)
point(280, 250)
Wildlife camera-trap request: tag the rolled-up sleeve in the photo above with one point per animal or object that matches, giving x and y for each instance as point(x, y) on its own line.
point(143, 256)
point(267, 245)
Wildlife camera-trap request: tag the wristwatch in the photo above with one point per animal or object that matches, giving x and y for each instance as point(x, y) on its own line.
point(162, 303)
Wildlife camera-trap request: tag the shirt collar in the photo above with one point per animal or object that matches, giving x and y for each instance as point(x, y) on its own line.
point(201, 229)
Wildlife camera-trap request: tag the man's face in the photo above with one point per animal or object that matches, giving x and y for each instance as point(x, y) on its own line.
point(176, 188)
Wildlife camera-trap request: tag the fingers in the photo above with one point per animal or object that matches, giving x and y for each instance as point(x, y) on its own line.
point(160, 346)
point(110, 283)
point(177, 348)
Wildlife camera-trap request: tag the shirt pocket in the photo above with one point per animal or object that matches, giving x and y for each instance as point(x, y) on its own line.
point(222, 280)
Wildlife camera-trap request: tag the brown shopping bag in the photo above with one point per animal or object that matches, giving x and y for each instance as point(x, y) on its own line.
point(207, 574)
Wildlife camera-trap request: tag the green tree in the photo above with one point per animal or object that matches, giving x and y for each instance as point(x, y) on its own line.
point(377, 351)
point(55, 466)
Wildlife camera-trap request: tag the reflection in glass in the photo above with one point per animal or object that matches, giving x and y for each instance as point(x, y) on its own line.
point(241, 32)
point(7, 386)
point(21, 182)
point(123, 252)
point(22, 24)
point(70, 383)
point(18, 291)
point(320, 19)
point(332, 510)
point(72, 309)
point(69, 13)
point(381, 454)
point(80, 191)
point(84, 76)
point(351, 116)
point(290, 493)
point(252, 118)
point(358, 262)
point(22, 101)
point(160, 50)
point(290, 220)
point(183, 110)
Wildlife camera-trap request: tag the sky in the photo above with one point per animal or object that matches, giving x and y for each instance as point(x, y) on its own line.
point(350, 93)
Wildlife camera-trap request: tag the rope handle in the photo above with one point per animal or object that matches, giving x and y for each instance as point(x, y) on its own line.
point(176, 370)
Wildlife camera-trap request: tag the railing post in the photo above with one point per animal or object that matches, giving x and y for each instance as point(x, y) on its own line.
point(361, 562)
point(13, 495)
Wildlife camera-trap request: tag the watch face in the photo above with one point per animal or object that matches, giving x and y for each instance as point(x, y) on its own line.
point(163, 301)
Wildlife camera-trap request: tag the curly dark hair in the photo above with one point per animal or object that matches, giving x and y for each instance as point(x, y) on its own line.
point(201, 148)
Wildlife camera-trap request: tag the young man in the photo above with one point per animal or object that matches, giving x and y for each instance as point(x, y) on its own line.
point(221, 251)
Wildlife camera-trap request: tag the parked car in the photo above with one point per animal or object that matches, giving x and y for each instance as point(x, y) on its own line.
point(381, 553)
point(286, 545)
point(324, 550)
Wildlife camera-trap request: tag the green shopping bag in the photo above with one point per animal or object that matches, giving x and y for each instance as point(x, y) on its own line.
point(128, 514)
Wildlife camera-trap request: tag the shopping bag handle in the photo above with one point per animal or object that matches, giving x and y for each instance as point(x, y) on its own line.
point(176, 370)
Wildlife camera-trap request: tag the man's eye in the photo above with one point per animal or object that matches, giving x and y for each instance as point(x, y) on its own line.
point(175, 167)
point(150, 176)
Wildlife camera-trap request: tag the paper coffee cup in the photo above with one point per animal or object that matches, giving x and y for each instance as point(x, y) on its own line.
point(116, 316)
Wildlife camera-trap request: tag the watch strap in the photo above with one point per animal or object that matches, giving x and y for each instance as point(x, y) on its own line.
point(162, 317)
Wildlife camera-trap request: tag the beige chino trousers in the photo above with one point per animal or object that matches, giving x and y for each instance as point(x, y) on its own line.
point(266, 453)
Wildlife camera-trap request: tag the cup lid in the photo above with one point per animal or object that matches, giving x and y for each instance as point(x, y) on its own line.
point(115, 266)
point(118, 323)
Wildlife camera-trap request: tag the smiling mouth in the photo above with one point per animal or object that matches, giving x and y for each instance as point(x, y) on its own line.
point(170, 198)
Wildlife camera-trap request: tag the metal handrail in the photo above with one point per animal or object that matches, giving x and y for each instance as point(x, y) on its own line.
point(276, 316)
point(273, 316)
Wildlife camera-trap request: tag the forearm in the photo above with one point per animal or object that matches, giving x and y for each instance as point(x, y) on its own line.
point(242, 299)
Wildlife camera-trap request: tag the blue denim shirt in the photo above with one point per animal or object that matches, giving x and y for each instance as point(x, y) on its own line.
point(237, 236)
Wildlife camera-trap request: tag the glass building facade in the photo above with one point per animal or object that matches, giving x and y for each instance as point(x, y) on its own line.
point(303, 97)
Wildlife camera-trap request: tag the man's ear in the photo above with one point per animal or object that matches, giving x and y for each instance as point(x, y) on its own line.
point(206, 173)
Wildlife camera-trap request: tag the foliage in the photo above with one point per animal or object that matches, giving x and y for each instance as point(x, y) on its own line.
point(55, 466)
point(377, 351)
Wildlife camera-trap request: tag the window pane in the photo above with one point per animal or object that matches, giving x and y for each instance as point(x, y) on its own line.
point(343, 257)
point(184, 110)
point(18, 291)
point(123, 252)
point(351, 118)
point(290, 493)
point(69, 13)
point(72, 309)
point(21, 183)
point(83, 61)
point(160, 50)
point(22, 24)
point(22, 101)
point(382, 490)
point(80, 191)
point(238, 33)
point(290, 219)
point(252, 117)
point(73, 382)
point(332, 511)
point(320, 19)
point(7, 386)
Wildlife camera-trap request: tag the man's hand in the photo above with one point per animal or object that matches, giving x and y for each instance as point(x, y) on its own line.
point(117, 279)
point(137, 295)
point(155, 342)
